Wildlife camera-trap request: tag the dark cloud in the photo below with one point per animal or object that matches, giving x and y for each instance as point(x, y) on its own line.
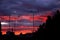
point(18, 7)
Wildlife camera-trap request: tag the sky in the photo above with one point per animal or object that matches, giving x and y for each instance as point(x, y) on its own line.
point(21, 14)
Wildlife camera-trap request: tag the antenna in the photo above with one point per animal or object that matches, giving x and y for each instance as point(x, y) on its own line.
point(33, 22)
point(9, 23)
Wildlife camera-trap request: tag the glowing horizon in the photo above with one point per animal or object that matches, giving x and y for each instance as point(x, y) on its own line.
point(24, 28)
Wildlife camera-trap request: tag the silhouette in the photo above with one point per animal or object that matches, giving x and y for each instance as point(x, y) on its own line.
point(47, 31)
point(0, 31)
point(51, 28)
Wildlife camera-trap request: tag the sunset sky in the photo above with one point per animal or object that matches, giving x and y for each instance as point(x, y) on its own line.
point(19, 14)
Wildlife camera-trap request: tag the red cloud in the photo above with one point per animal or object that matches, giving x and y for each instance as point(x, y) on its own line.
point(24, 29)
point(30, 18)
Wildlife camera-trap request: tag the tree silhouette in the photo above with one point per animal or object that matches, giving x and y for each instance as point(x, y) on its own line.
point(47, 31)
point(51, 28)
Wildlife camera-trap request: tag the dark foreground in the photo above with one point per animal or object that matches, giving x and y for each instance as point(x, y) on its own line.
point(47, 31)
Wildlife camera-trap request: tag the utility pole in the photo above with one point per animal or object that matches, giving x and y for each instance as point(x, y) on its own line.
point(33, 22)
point(0, 30)
point(33, 18)
point(8, 24)
point(0, 27)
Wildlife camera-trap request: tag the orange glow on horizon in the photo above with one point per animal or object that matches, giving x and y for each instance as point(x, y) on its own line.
point(18, 18)
point(23, 31)
point(18, 32)
point(29, 29)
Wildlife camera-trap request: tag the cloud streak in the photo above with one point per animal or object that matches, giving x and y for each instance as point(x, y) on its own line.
point(25, 9)
point(30, 6)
